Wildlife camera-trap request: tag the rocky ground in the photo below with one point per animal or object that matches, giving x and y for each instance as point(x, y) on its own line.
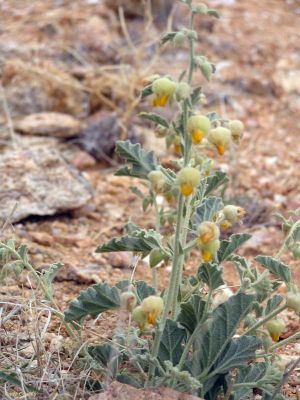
point(82, 65)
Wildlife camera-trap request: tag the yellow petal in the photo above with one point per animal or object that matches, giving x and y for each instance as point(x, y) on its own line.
point(275, 336)
point(221, 149)
point(206, 237)
point(177, 148)
point(151, 318)
point(197, 136)
point(206, 255)
point(225, 225)
point(186, 189)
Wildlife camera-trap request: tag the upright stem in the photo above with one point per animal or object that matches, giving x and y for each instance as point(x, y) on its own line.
point(265, 319)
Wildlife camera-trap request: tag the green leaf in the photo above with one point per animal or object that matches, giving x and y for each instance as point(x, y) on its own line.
point(140, 241)
point(49, 274)
point(191, 312)
point(251, 374)
point(195, 96)
point(143, 290)
point(167, 37)
point(217, 179)
point(208, 209)
point(140, 161)
point(216, 333)
point(229, 246)
point(171, 345)
point(23, 252)
point(213, 13)
point(93, 301)
point(137, 191)
point(157, 119)
point(211, 274)
point(273, 303)
point(147, 91)
point(277, 268)
point(237, 354)
point(108, 356)
point(11, 378)
point(212, 116)
point(130, 379)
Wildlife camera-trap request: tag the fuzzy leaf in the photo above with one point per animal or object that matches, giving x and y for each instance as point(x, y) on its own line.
point(208, 209)
point(143, 290)
point(216, 333)
point(140, 241)
point(250, 374)
point(212, 116)
point(157, 119)
point(108, 356)
point(147, 91)
point(273, 303)
point(237, 354)
point(229, 246)
point(213, 13)
point(13, 379)
point(211, 274)
point(171, 345)
point(277, 268)
point(217, 179)
point(191, 312)
point(195, 96)
point(93, 301)
point(140, 162)
point(167, 37)
point(23, 252)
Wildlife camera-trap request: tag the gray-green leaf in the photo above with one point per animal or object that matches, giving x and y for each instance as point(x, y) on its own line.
point(171, 345)
point(229, 246)
point(157, 119)
point(211, 274)
point(191, 312)
point(217, 179)
point(208, 209)
point(140, 162)
point(93, 301)
point(277, 268)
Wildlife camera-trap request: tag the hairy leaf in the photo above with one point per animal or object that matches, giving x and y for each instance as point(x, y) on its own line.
point(171, 345)
point(140, 162)
point(277, 268)
point(143, 290)
point(211, 274)
point(191, 312)
point(93, 301)
point(273, 303)
point(251, 374)
point(217, 179)
point(12, 378)
point(108, 356)
point(147, 91)
point(157, 119)
point(215, 335)
point(138, 241)
point(208, 209)
point(167, 37)
point(229, 246)
point(237, 354)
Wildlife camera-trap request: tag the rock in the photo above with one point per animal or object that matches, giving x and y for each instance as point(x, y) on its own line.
point(125, 392)
point(120, 259)
point(49, 123)
point(41, 182)
point(42, 238)
point(83, 160)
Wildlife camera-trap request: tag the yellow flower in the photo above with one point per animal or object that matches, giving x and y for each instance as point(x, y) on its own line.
point(152, 306)
point(198, 127)
point(209, 250)
point(220, 138)
point(157, 180)
point(139, 316)
point(237, 128)
point(163, 89)
point(207, 232)
point(188, 179)
point(233, 214)
point(128, 300)
point(275, 328)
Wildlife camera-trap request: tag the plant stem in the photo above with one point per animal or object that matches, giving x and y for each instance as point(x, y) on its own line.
point(282, 248)
point(265, 319)
point(191, 50)
point(285, 341)
point(157, 228)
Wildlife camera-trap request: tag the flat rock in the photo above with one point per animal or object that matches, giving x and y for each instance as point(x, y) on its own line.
point(49, 123)
point(125, 392)
point(41, 182)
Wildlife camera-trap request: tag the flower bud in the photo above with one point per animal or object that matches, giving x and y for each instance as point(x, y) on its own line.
point(275, 328)
point(209, 250)
point(161, 132)
point(155, 257)
point(188, 179)
point(207, 232)
point(176, 141)
point(163, 89)
point(200, 8)
point(296, 251)
point(157, 180)
point(182, 91)
point(293, 301)
point(152, 306)
point(233, 214)
point(139, 316)
point(128, 300)
point(237, 128)
point(225, 224)
point(179, 39)
point(220, 137)
point(206, 69)
point(198, 126)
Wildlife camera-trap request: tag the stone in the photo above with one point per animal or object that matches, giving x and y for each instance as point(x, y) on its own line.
point(40, 182)
point(49, 124)
point(125, 392)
